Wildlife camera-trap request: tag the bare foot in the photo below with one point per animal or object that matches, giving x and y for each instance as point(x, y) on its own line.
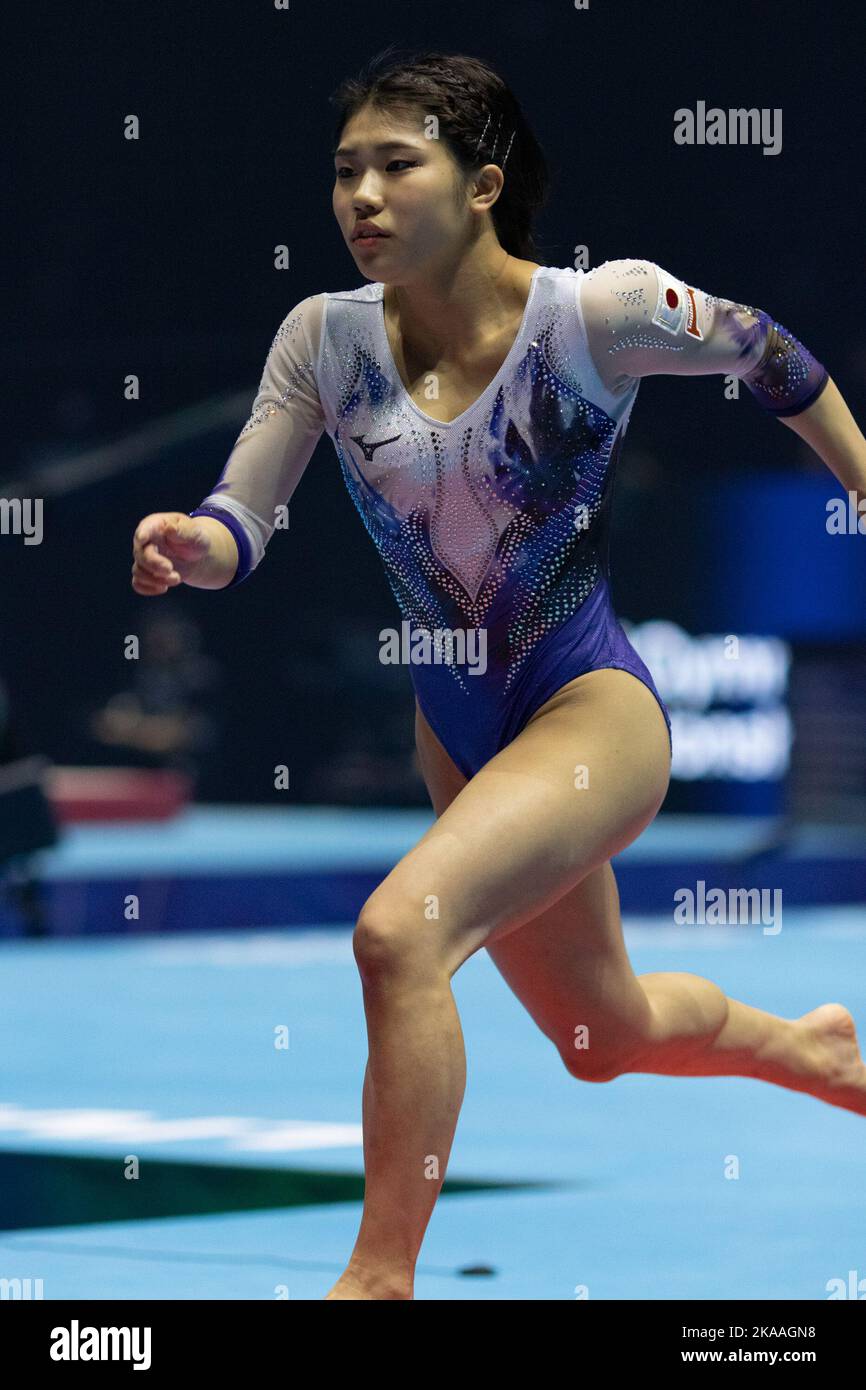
point(350, 1285)
point(825, 1061)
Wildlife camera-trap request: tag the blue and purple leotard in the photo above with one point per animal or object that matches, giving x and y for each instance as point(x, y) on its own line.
point(493, 528)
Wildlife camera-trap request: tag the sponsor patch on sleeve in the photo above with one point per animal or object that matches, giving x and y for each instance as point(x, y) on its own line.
point(693, 328)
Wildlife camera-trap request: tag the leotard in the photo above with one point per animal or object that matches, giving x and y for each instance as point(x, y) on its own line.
point(497, 523)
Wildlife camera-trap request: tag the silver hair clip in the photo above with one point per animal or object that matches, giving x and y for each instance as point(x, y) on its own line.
point(495, 138)
point(486, 124)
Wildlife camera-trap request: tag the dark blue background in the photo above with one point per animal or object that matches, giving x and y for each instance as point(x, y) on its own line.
point(156, 257)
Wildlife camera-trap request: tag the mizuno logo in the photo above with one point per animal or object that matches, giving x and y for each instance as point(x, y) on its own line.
point(370, 447)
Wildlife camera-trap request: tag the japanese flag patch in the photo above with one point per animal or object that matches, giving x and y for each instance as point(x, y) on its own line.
point(671, 302)
point(675, 305)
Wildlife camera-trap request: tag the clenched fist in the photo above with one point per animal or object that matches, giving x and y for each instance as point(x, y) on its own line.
point(168, 548)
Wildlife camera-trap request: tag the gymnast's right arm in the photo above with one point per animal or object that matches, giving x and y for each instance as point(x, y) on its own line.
point(223, 540)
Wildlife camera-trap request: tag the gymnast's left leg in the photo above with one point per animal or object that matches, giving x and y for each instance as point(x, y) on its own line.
point(570, 969)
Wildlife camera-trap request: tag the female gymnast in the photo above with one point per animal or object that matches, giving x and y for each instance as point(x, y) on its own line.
point(477, 402)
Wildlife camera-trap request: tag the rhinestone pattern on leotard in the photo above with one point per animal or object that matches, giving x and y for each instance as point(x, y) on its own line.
point(499, 520)
point(298, 376)
point(783, 370)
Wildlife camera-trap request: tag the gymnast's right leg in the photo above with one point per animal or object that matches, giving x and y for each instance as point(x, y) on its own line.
point(514, 839)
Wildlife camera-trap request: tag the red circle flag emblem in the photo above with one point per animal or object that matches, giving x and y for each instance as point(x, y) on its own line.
point(670, 310)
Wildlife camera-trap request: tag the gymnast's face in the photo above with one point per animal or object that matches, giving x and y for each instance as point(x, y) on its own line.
point(387, 172)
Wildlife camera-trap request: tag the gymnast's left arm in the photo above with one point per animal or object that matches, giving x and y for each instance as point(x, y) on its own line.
point(829, 428)
point(641, 321)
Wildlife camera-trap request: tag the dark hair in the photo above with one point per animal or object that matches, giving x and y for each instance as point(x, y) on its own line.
point(479, 119)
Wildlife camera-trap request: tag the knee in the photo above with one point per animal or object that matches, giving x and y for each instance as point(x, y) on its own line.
point(588, 1064)
point(382, 941)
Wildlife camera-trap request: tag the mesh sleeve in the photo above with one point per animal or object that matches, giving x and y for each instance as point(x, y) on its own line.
point(276, 443)
point(641, 321)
